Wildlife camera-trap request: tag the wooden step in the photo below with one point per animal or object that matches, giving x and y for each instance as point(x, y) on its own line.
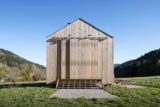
point(79, 84)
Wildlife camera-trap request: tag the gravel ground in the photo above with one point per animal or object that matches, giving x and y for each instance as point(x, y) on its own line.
point(78, 93)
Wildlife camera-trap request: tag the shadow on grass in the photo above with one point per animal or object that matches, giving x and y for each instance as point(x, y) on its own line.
point(40, 84)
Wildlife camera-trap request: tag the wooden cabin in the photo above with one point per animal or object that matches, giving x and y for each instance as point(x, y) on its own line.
point(80, 51)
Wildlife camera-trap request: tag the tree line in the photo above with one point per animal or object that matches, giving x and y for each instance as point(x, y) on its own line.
point(146, 65)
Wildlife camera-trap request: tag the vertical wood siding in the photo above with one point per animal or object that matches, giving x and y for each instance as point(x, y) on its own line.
point(80, 58)
point(51, 63)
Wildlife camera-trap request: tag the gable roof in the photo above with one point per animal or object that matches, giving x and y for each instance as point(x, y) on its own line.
point(86, 23)
point(95, 27)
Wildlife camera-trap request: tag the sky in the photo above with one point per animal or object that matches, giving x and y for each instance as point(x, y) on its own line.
point(25, 24)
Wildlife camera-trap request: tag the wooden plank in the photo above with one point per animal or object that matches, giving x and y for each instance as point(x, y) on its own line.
point(51, 63)
point(81, 60)
point(88, 58)
point(94, 59)
point(105, 62)
point(80, 38)
point(76, 59)
point(110, 62)
point(63, 59)
point(100, 60)
point(72, 59)
point(48, 67)
point(58, 59)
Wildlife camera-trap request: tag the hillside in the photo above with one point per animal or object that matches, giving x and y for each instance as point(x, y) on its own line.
point(116, 65)
point(146, 65)
point(15, 68)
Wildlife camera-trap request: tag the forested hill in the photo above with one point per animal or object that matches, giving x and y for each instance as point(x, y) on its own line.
point(146, 65)
point(15, 68)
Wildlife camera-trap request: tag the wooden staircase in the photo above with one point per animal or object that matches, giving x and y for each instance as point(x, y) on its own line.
point(79, 84)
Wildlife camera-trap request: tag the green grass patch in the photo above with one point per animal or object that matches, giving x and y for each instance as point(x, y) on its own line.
point(150, 82)
point(147, 77)
point(39, 97)
point(147, 97)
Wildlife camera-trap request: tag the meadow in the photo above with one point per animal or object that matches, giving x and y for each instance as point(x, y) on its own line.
point(127, 97)
point(146, 81)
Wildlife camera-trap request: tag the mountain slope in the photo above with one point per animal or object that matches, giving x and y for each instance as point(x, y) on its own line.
point(116, 65)
point(146, 65)
point(15, 68)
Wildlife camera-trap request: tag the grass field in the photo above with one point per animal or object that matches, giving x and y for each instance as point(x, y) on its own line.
point(39, 97)
point(150, 81)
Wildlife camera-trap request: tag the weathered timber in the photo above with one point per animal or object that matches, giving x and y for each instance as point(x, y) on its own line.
point(79, 51)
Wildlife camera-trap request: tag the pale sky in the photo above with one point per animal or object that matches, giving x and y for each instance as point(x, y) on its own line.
point(25, 24)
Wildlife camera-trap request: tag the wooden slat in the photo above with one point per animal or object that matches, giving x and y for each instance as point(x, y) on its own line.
point(80, 38)
point(63, 59)
point(94, 59)
point(51, 63)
